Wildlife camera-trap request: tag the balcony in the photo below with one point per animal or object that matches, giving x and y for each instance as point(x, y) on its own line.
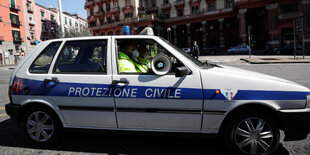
point(32, 41)
point(166, 6)
point(99, 2)
point(31, 23)
point(115, 10)
point(153, 9)
point(17, 40)
point(100, 13)
point(290, 15)
point(89, 3)
point(179, 3)
point(14, 7)
point(30, 9)
point(43, 19)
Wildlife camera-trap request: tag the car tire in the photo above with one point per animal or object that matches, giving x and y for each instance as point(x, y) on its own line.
point(244, 134)
point(41, 126)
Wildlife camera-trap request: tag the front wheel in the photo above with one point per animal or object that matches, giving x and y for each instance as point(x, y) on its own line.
point(251, 133)
point(41, 126)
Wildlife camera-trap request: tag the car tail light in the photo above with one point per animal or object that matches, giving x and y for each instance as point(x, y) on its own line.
point(10, 94)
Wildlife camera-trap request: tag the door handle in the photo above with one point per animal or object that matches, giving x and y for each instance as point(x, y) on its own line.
point(123, 81)
point(51, 82)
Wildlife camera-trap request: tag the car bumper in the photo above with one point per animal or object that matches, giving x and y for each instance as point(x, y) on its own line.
point(295, 123)
point(13, 110)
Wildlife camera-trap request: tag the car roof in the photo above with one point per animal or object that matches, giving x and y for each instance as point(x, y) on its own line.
point(104, 37)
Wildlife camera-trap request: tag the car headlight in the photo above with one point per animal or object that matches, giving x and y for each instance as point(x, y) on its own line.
point(308, 101)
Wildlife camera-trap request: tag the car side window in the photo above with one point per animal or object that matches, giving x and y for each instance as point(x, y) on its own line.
point(82, 57)
point(135, 56)
point(43, 61)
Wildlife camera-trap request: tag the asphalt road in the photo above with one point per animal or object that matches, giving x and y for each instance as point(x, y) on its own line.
point(11, 138)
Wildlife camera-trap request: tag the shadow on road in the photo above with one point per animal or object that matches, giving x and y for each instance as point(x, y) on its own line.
point(121, 143)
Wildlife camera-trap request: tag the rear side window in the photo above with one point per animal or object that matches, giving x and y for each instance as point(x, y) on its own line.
point(82, 57)
point(43, 61)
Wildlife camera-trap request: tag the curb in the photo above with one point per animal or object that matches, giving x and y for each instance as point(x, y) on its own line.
point(271, 62)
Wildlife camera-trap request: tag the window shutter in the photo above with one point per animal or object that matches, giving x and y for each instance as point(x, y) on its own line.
point(11, 16)
point(18, 33)
point(12, 2)
point(17, 20)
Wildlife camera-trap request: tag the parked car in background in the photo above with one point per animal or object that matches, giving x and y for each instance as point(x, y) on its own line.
point(288, 49)
point(239, 49)
point(210, 49)
point(187, 50)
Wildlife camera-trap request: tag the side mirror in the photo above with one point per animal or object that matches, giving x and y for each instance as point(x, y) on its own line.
point(182, 71)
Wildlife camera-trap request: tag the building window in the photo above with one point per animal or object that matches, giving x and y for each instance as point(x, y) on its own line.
point(52, 18)
point(211, 6)
point(30, 17)
point(180, 12)
point(76, 24)
point(16, 35)
point(110, 33)
point(44, 29)
point(92, 24)
point(32, 36)
point(289, 8)
point(12, 3)
point(42, 14)
point(118, 32)
point(229, 3)
point(70, 22)
point(14, 19)
point(91, 10)
point(127, 2)
point(66, 22)
point(107, 7)
point(167, 14)
point(128, 15)
point(166, 2)
point(195, 9)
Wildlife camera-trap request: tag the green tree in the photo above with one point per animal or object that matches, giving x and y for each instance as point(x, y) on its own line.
point(75, 33)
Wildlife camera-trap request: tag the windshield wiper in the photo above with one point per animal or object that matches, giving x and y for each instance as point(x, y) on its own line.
point(212, 64)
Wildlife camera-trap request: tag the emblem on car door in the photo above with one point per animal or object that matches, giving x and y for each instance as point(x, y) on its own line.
point(229, 94)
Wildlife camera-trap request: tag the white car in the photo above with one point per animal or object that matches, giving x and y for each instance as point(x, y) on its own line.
point(76, 83)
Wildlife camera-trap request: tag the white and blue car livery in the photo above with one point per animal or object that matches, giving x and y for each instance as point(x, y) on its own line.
point(247, 109)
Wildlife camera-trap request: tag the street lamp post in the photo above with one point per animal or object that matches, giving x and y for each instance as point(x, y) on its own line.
point(61, 26)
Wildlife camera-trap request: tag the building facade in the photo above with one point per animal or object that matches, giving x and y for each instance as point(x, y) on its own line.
point(24, 23)
point(73, 22)
point(12, 34)
point(223, 23)
point(46, 23)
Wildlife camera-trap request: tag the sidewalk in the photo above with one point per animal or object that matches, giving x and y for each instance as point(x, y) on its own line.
point(255, 59)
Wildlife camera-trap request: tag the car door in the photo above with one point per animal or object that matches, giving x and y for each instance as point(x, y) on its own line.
point(146, 101)
point(78, 81)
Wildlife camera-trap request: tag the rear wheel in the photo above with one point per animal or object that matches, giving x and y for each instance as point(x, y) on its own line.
point(41, 126)
point(251, 133)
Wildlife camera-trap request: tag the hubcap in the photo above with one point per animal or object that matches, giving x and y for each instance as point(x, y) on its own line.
point(253, 136)
point(40, 126)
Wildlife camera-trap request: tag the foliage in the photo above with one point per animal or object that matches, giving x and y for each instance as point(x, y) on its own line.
point(75, 33)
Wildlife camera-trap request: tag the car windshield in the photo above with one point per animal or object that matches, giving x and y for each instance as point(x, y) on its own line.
point(197, 62)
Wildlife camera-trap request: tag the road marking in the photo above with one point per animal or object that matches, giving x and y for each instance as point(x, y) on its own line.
point(3, 115)
point(2, 108)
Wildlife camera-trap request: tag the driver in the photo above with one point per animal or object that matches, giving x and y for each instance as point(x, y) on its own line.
point(126, 60)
